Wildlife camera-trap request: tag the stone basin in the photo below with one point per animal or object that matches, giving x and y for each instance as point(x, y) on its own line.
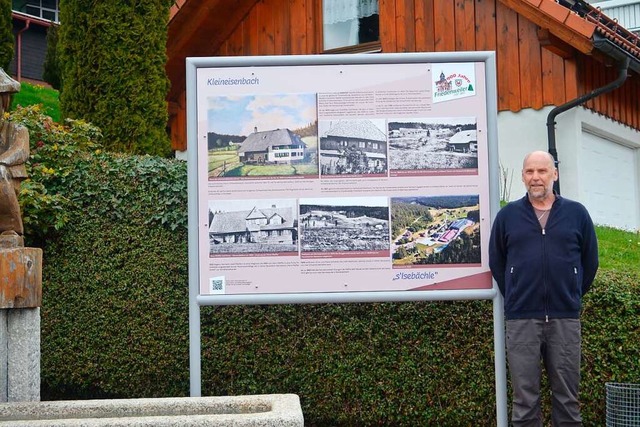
point(236, 411)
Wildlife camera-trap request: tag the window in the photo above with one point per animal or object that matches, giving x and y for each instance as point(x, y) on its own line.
point(45, 9)
point(348, 23)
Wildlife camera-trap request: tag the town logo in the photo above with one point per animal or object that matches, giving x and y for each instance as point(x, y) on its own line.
point(455, 80)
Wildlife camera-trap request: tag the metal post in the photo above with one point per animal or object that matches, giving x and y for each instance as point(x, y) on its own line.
point(500, 360)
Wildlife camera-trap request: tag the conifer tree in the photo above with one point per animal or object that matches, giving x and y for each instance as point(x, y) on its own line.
point(112, 56)
point(6, 35)
point(51, 73)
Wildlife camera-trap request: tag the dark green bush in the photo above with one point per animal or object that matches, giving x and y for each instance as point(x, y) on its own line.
point(52, 73)
point(115, 320)
point(611, 337)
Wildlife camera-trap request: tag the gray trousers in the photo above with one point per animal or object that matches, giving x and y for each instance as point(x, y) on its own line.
point(532, 343)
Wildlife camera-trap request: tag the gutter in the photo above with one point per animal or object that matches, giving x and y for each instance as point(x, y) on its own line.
point(624, 61)
point(27, 19)
point(19, 42)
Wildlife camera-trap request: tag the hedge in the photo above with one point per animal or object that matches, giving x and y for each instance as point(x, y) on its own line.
point(115, 319)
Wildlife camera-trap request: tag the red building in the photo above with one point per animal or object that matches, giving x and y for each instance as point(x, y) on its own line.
point(548, 54)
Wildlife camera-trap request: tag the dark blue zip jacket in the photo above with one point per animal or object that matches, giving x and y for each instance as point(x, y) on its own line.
point(543, 273)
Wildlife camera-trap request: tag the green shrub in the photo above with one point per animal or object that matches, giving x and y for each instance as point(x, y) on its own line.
point(115, 317)
point(611, 338)
point(54, 148)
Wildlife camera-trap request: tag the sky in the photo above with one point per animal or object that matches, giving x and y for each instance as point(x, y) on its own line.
point(239, 115)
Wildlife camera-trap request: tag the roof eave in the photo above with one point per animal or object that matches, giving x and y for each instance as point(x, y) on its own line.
point(20, 16)
point(569, 27)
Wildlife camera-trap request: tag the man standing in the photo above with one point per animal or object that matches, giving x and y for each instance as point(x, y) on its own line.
point(543, 253)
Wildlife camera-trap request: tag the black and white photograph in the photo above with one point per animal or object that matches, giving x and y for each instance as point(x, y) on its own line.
point(435, 230)
point(353, 147)
point(344, 224)
point(433, 143)
point(253, 226)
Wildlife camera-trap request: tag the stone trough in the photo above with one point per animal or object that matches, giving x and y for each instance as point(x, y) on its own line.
point(236, 411)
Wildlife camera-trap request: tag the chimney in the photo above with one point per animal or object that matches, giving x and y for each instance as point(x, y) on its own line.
point(255, 129)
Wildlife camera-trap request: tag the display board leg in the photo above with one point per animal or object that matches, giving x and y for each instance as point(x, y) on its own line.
point(195, 374)
point(500, 361)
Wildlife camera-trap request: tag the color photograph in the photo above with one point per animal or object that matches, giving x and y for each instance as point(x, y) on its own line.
point(262, 135)
point(435, 230)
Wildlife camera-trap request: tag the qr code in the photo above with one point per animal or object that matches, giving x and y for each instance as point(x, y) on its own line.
point(216, 285)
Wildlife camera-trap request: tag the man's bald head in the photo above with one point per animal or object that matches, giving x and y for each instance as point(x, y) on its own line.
point(539, 155)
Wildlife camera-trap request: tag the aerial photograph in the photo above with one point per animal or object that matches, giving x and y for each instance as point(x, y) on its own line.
point(435, 230)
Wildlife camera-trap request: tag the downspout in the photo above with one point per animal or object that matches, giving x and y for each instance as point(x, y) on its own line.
point(19, 58)
point(623, 67)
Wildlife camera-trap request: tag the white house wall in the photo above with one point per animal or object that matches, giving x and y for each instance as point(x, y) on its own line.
point(525, 131)
point(612, 200)
point(518, 134)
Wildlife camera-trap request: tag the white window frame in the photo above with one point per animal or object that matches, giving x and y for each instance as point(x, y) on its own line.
point(32, 5)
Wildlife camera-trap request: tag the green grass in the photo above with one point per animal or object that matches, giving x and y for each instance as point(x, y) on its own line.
point(31, 94)
point(619, 250)
point(222, 160)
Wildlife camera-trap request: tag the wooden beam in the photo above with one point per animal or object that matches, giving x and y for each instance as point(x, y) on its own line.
point(552, 43)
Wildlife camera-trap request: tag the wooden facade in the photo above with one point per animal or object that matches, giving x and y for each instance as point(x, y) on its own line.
point(541, 60)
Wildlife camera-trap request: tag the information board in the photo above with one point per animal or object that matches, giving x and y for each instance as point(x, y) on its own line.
point(340, 173)
point(342, 178)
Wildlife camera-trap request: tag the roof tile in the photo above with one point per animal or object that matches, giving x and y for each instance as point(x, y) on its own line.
point(554, 10)
point(580, 24)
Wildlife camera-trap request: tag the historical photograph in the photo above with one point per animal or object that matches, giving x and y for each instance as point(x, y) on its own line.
point(344, 224)
point(353, 147)
point(435, 230)
point(262, 135)
point(433, 143)
point(253, 226)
